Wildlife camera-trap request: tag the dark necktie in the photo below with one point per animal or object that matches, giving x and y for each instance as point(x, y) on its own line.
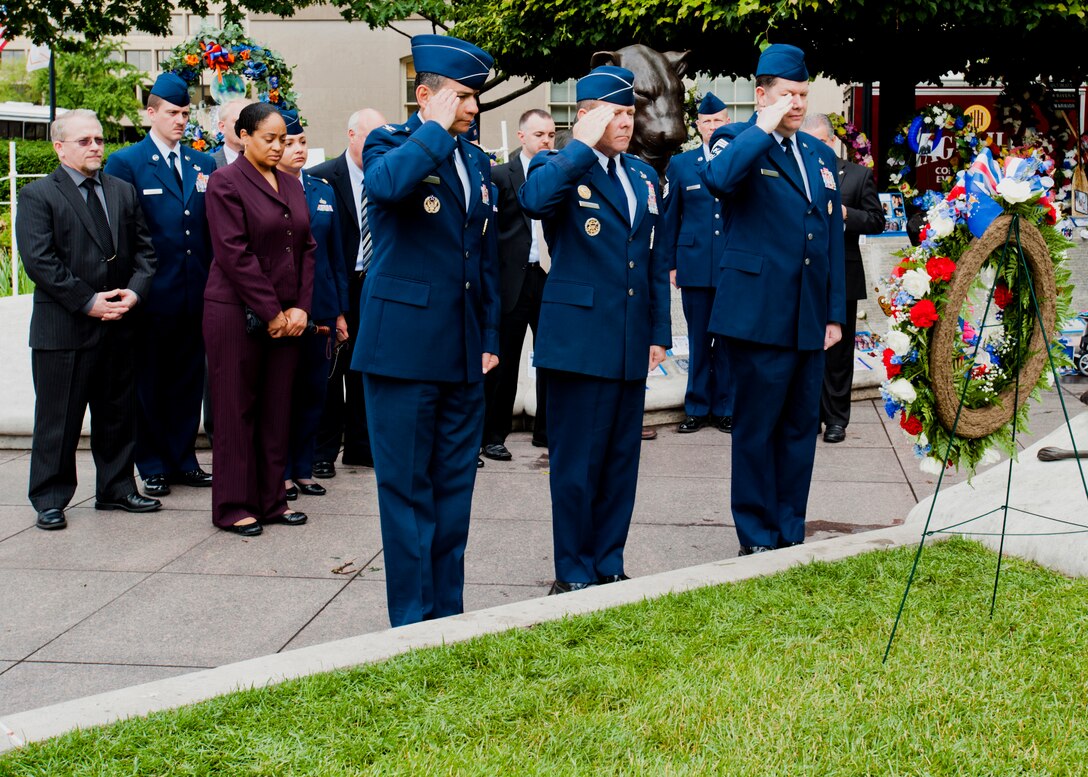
point(366, 246)
point(174, 168)
point(614, 176)
point(791, 160)
point(98, 216)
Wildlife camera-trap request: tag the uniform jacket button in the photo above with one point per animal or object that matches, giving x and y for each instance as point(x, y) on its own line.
point(468, 285)
point(808, 261)
point(630, 292)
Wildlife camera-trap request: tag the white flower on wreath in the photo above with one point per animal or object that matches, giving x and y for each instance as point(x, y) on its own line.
point(991, 456)
point(941, 222)
point(916, 283)
point(898, 342)
point(923, 441)
point(902, 391)
point(931, 465)
point(1014, 191)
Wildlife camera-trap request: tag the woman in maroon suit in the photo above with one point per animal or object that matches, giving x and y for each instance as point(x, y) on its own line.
point(264, 261)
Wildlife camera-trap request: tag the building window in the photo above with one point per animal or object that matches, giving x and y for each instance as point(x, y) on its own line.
point(12, 55)
point(160, 55)
point(738, 94)
point(198, 23)
point(141, 58)
point(177, 25)
point(562, 102)
point(410, 104)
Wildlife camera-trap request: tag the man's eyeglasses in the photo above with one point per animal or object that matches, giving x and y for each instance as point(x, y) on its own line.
point(84, 142)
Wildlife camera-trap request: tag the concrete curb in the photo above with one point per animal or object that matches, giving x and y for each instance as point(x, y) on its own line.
point(138, 700)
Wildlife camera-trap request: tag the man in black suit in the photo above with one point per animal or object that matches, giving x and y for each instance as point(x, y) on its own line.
point(86, 246)
point(862, 215)
point(522, 272)
point(344, 416)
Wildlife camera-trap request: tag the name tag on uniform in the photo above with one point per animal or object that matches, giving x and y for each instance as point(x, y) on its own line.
point(152, 191)
point(584, 204)
point(432, 179)
point(770, 173)
point(693, 187)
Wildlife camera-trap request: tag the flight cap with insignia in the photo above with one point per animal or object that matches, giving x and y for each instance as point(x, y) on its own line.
point(609, 84)
point(172, 88)
point(782, 61)
point(465, 63)
point(292, 120)
point(710, 104)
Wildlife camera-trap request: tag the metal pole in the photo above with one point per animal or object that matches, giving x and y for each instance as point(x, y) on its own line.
point(52, 85)
point(14, 246)
point(505, 141)
point(867, 109)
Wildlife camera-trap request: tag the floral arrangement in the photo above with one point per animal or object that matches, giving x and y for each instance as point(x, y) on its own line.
point(985, 351)
point(861, 149)
point(940, 120)
point(237, 63)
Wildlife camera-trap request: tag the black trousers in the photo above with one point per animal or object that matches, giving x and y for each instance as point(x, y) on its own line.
point(65, 384)
point(343, 420)
point(839, 373)
point(501, 384)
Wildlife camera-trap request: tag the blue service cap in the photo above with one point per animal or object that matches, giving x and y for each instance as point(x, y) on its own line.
point(172, 88)
point(782, 61)
point(608, 83)
point(292, 120)
point(453, 58)
point(710, 104)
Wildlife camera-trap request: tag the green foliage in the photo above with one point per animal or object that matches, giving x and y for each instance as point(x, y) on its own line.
point(88, 78)
point(779, 675)
point(15, 83)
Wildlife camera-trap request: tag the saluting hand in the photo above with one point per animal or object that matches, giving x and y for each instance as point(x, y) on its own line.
point(592, 125)
point(770, 116)
point(442, 107)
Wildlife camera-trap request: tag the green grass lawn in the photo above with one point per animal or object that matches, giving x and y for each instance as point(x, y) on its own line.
point(774, 676)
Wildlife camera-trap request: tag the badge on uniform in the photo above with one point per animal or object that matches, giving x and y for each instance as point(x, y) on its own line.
point(201, 182)
point(830, 208)
point(585, 192)
point(432, 205)
point(829, 179)
point(485, 194)
point(593, 227)
point(651, 198)
point(322, 205)
point(718, 147)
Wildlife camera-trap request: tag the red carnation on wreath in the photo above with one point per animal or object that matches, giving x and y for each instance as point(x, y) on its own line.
point(912, 425)
point(1002, 295)
point(940, 268)
point(924, 314)
point(893, 369)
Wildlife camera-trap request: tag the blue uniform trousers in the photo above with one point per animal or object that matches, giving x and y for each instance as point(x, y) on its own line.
point(774, 439)
point(308, 400)
point(425, 437)
point(594, 441)
point(709, 382)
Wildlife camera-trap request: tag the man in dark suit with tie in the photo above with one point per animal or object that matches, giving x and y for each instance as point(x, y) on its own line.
point(521, 282)
point(343, 420)
point(780, 301)
point(862, 214)
point(85, 245)
point(691, 239)
point(429, 328)
point(604, 323)
point(170, 181)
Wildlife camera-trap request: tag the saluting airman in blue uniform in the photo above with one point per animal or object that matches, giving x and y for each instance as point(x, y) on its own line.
point(604, 321)
point(692, 238)
point(170, 180)
point(429, 326)
point(781, 296)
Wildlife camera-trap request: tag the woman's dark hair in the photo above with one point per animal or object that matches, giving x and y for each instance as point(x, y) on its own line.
point(252, 116)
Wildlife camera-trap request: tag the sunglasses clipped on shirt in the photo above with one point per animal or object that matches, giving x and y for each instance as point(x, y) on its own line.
point(84, 142)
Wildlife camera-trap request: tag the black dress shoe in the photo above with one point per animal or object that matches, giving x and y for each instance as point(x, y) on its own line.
point(479, 462)
point(196, 478)
point(133, 503)
point(540, 442)
point(309, 489)
point(498, 452)
point(290, 519)
point(246, 530)
point(156, 485)
point(725, 424)
point(324, 470)
point(692, 423)
point(791, 544)
point(834, 433)
point(292, 493)
point(51, 519)
point(560, 587)
point(356, 461)
point(751, 550)
point(649, 433)
point(612, 579)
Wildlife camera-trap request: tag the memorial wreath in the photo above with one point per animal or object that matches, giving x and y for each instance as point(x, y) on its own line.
point(972, 313)
point(911, 140)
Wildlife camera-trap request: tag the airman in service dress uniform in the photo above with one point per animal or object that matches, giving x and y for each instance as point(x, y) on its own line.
point(604, 321)
point(429, 327)
point(780, 300)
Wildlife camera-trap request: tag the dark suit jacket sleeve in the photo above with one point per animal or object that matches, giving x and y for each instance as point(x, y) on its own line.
point(34, 230)
point(865, 217)
point(551, 176)
point(230, 245)
point(729, 167)
point(668, 226)
point(392, 171)
point(489, 274)
point(144, 260)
